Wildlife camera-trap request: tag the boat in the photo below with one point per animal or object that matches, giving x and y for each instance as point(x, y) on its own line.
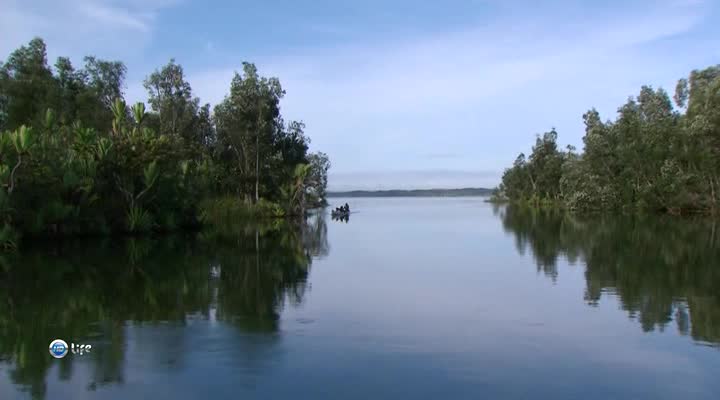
point(339, 214)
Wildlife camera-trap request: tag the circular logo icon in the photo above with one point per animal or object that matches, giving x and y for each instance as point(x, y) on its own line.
point(58, 348)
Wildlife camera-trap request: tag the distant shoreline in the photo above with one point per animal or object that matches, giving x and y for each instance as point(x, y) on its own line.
point(463, 192)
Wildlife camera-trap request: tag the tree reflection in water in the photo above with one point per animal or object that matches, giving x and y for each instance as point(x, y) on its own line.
point(97, 290)
point(662, 269)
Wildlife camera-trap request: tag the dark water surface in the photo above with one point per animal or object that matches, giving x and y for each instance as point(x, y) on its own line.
point(445, 298)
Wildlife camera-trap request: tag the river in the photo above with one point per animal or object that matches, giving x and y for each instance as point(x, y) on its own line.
point(415, 298)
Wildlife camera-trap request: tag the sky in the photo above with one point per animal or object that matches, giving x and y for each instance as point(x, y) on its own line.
point(399, 94)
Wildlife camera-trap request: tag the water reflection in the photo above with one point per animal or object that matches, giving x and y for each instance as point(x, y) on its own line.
point(100, 291)
point(663, 270)
point(341, 218)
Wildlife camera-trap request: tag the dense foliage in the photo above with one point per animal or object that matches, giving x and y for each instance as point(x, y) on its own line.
point(654, 156)
point(76, 159)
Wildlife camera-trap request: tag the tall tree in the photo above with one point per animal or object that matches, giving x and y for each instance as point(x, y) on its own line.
point(106, 78)
point(78, 159)
point(105, 83)
point(651, 157)
point(318, 178)
point(27, 85)
point(72, 85)
point(170, 96)
point(545, 164)
point(205, 128)
point(248, 120)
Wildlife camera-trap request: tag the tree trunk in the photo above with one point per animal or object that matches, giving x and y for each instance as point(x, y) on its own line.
point(257, 167)
point(713, 201)
point(257, 259)
point(174, 122)
point(712, 234)
point(160, 110)
point(302, 200)
point(257, 156)
point(11, 185)
point(246, 171)
point(532, 182)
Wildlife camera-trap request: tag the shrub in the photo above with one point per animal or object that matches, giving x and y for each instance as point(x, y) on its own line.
point(139, 220)
point(223, 210)
point(8, 238)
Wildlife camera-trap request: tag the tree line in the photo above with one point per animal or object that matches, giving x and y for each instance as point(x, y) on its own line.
point(659, 154)
point(75, 158)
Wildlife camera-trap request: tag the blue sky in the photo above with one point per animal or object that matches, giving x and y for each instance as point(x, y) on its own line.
point(400, 94)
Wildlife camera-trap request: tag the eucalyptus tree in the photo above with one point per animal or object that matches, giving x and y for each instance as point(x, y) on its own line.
point(205, 128)
point(701, 131)
point(247, 121)
point(76, 159)
point(653, 156)
point(318, 178)
point(105, 81)
point(544, 165)
point(170, 96)
point(27, 85)
point(105, 78)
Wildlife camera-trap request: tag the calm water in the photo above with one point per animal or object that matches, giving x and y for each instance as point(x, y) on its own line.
point(410, 298)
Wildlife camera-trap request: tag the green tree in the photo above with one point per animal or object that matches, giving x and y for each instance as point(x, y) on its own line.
point(170, 96)
point(247, 121)
point(318, 178)
point(76, 159)
point(105, 81)
point(652, 157)
point(27, 85)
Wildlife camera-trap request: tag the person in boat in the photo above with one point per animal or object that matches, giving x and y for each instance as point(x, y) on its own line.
point(347, 208)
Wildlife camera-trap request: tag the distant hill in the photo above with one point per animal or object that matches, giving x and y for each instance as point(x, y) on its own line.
point(414, 193)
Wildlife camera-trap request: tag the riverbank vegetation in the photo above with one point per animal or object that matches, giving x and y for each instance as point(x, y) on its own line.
point(655, 156)
point(75, 159)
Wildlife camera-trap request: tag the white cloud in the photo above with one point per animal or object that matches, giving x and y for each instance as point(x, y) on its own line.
point(105, 27)
point(388, 104)
point(480, 92)
point(453, 69)
point(116, 16)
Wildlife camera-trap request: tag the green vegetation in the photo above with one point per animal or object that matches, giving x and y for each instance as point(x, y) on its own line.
point(414, 193)
point(75, 159)
point(653, 157)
